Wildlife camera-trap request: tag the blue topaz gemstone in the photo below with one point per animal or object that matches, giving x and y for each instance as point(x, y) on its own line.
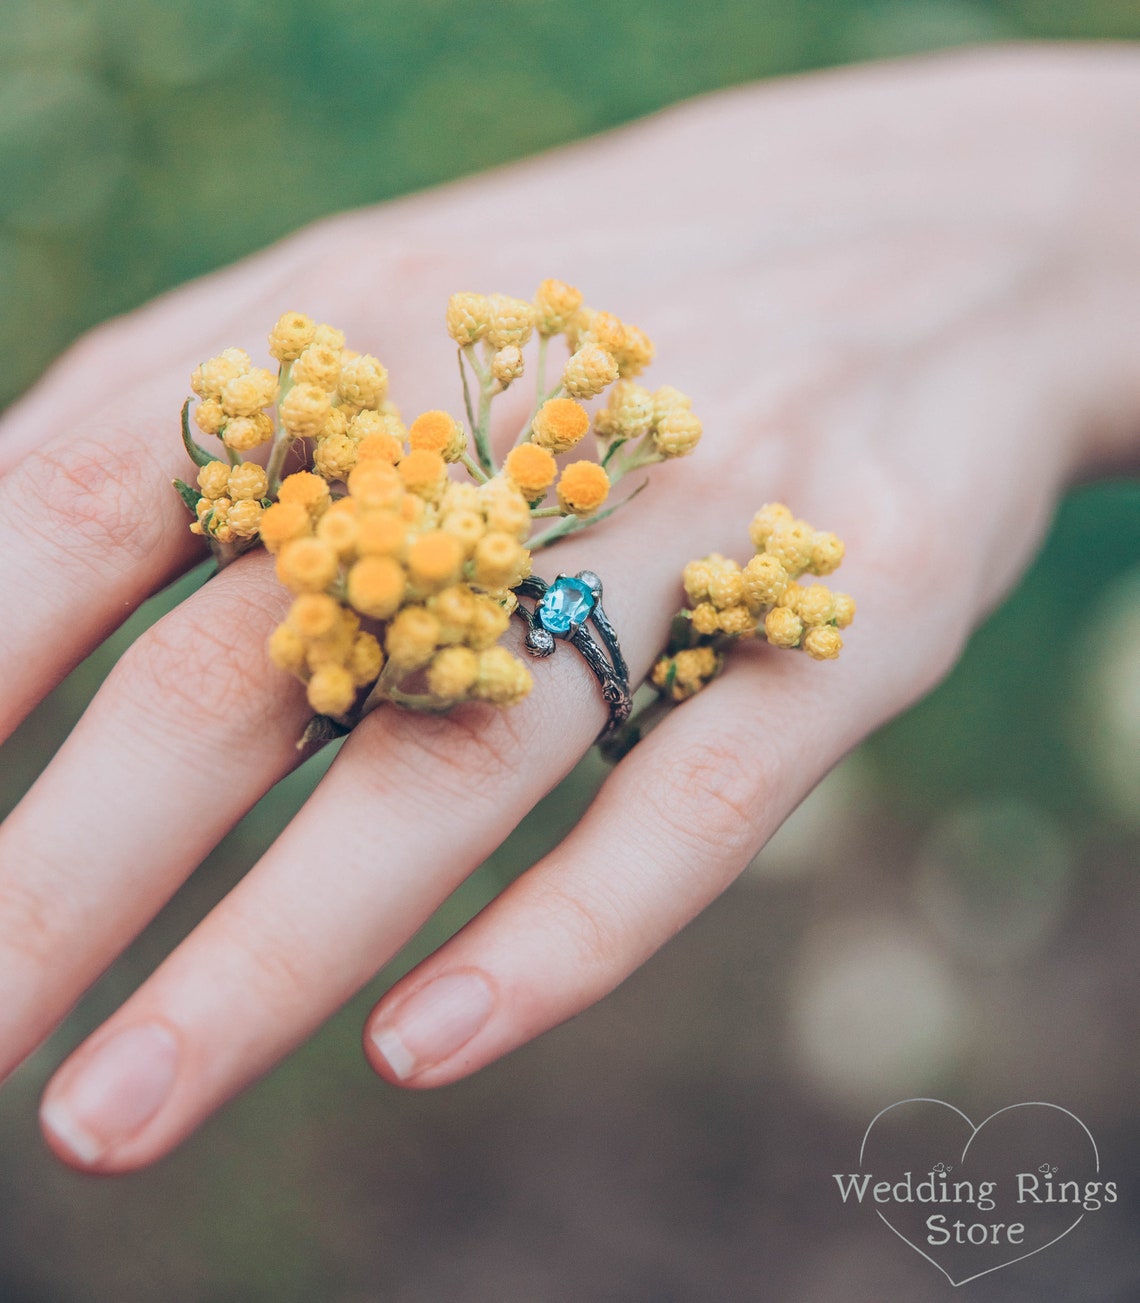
point(567, 602)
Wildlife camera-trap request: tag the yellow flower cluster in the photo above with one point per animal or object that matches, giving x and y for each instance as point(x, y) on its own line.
point(686, 672)
point(663, 420)
point(402, 575)
point(403, 583)
point(604, 352)
point(234, 395)
point(763, 599)
point(232, 500)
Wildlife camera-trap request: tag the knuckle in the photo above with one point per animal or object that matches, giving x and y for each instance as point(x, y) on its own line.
point(77, 497)
point(709, 795)
point(280, 969)
point(591, 927)
point(31, 926)
point(200, 669)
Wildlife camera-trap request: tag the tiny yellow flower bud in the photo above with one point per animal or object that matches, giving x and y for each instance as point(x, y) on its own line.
point(286, 650)
point(468, 527)
point(735, 620)
point(247, 394)
point(412, 637)
point(726, 587)
point(365, 659)
point(791, 545)
point(209, 416)
point(290, 336)
point(213, 478)
point(504, 508)
point(696, 577)
point(503, 679)
point(376, 484)
point(313, 615)
point(307, 490)
point(460, 496)
point(532, 469)
point(376, 586)
point(628, 412)
point(438, 432)
point(559, 424)
point(246, 432)
point(331, 690)
point(666, 400)
point(764, 582)
point(770, 517)
point(677, 433)
point(783, 627)
point(589, 371)
point(844, 609)
point(582, 488)
point(507, 365)
point(816, 605)
point(336, 422)
point(244, 518)
point(826, 554)
point(282, 523)
point(340, 529)
point(607, 331)
point(363, 381)
point(823, 643)
point(468, 318)
point(435, 558)
point(791, 595)
point(489, 621)
point(382, 446)
point(326, 336)
point(499, 561)
point(706, 618)
point(423, 473)
point(248, 480)
point(512, 321)
point(334, 457)
point(636, 354)
point(304, 410)
point(213, 375)
point(382, 533)
point(306, 565)
point(454, 608)
point(453, 672)
point(555, 303)
point(319, 366)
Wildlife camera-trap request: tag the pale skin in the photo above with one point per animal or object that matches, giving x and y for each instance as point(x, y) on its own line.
point(904, 300)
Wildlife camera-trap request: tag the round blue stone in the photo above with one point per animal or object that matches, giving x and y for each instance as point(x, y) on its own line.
point(566, 602)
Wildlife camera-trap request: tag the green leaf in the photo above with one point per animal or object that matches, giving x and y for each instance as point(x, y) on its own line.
point(190, 496)
point(198, 455)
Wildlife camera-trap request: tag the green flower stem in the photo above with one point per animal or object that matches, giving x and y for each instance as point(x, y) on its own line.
point(477, 471)
point(540, 365)
point(282, 443)
point(536, 512)
point(481, 425)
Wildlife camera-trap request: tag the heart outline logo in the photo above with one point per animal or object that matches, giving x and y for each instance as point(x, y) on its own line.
point(974, 1130)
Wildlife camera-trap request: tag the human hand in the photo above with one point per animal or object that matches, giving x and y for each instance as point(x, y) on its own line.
point(899, 298)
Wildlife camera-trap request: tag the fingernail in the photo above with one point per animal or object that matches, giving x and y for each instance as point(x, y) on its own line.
point(120, 1087)
point(431, 1025)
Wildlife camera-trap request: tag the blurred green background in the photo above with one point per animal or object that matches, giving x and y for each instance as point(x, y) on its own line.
point(985, 844)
